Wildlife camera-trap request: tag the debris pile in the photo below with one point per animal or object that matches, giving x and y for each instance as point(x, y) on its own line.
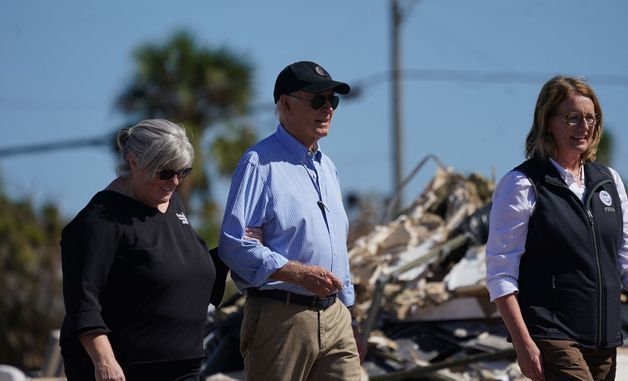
point(422, 300)
point(408, 262)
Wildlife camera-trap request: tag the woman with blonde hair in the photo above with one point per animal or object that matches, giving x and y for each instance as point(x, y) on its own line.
point(557, 252)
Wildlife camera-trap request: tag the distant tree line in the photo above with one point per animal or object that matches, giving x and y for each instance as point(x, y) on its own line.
point(31, 303)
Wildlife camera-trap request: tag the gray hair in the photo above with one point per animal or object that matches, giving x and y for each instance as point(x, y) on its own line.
point(156, 144)
point(279, 111)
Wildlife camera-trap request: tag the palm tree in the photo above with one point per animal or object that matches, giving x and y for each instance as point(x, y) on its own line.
point(202, 89)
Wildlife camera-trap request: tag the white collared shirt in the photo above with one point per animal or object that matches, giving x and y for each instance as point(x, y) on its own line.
point(513, 203)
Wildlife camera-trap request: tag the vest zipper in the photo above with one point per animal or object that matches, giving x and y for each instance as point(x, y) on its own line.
point(600, 285)
point(600, 295)
point(599, 278)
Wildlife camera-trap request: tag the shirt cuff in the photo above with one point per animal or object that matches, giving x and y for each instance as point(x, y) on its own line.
point(501, 287)
point(271, 263)
point(81, 322)
point(347, 295)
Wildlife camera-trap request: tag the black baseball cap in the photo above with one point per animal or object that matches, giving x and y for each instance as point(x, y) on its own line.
point(307, 76)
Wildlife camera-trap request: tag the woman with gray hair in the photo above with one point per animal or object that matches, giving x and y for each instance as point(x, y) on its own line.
point(557, 251)
point(137, 279)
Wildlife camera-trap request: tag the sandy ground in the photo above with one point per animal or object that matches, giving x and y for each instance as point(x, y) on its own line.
point(622, 364)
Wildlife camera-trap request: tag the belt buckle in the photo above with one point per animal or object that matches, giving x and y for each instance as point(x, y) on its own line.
point(322, 303)
point(327, 302)
point(316, 303)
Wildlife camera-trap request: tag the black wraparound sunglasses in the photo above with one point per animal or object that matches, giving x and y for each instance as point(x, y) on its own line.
point(318, 101)
point(166, 174)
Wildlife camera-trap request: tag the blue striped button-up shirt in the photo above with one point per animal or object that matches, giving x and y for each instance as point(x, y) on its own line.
point(277, 186)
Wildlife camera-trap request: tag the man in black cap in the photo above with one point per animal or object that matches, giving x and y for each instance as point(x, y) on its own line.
point(297, 323)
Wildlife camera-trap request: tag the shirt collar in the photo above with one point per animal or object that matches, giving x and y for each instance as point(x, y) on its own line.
point(295, 147)
point(567, 176)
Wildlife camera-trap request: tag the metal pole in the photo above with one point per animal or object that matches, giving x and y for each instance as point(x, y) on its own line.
point(397, 149)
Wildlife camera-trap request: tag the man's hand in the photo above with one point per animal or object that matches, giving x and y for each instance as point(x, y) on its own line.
point(315, 279)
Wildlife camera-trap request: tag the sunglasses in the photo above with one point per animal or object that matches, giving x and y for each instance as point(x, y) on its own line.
point(319, 101)
point(166, 174)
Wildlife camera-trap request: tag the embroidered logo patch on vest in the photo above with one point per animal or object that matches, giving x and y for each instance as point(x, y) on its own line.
point(605, 197)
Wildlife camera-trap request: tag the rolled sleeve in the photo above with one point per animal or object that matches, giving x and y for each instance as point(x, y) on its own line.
point(84, 321)
point(513, 202)
point(247, 205)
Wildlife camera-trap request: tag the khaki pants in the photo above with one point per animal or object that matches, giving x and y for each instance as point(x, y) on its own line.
point(565, 360)
point(280, 341)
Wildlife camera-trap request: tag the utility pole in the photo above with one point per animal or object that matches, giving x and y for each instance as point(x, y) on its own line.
point(397, 148)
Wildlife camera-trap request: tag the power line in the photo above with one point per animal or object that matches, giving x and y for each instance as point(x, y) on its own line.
point(443, 75)
point(436, 75)
point(56, 146)
point(508, 77)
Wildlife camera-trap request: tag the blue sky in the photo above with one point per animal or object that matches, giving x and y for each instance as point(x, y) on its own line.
point(63, 63)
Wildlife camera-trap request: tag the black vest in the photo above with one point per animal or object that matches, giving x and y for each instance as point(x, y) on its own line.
point(569, 285)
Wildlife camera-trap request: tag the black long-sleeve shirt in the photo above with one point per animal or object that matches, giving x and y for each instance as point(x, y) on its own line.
point(139, 275)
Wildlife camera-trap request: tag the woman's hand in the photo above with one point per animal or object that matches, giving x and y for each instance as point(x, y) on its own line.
point(106, 367)
point(254, 234)
point(530, 360)
point(528, 353)
point(108, 371)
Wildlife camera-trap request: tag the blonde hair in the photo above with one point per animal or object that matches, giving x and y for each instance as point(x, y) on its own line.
point(156, 144)
point(539, 143)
